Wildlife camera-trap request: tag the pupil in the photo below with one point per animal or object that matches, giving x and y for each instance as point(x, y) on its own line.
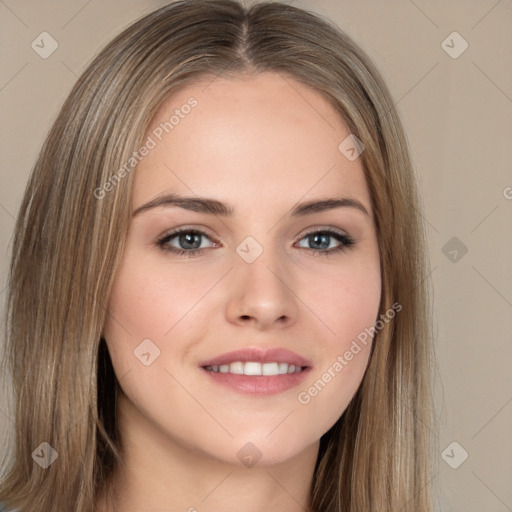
point(319, 239)
point(190, 241)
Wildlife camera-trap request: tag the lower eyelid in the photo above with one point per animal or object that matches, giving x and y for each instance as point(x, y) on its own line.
point(345, 241)
point(340, 237)
point(164, 241)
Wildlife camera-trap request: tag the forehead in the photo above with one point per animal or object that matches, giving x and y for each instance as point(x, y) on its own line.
point(264, 136)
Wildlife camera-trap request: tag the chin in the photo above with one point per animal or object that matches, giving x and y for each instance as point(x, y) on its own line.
point(264, 451)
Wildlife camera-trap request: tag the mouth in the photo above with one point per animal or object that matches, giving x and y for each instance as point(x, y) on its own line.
point(258, 371)
point(255, 368)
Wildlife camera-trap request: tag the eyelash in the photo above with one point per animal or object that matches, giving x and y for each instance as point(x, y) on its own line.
point(346, 242)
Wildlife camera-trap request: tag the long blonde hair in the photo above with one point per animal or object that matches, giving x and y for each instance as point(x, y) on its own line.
point(68, 243)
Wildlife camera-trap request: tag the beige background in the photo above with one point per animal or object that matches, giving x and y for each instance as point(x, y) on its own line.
point(458, 115)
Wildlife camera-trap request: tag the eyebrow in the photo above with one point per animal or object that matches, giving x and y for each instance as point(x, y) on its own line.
point(214, 207)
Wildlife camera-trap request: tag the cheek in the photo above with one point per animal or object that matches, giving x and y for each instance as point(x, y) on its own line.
point(346, 302)
point(148, 300)
point(348, 306)
point(136, 314)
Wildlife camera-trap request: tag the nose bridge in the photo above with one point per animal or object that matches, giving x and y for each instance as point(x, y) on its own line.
point(261, 290)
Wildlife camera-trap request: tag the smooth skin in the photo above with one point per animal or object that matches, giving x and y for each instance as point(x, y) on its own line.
point(260, 144)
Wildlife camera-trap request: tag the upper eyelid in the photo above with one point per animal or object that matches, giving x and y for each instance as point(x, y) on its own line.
point(201, 231)
point(321, 229)
point(186, 229)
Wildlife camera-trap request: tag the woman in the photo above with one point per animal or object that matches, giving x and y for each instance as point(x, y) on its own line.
point(217, 284)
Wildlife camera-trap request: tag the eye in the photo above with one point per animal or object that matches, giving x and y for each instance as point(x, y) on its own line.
point(189, 242)
point(326, 241)
point(192, 242)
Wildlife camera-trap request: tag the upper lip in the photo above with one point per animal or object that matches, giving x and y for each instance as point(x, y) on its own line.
point(258, 355)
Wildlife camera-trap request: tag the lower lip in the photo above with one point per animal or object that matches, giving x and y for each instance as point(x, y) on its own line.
point(259, 384)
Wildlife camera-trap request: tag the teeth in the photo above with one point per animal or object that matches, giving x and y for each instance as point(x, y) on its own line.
point(254, 368)
point(237, 368)
point(270, 369)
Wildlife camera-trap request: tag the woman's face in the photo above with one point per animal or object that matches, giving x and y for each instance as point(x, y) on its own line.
point(251, 249)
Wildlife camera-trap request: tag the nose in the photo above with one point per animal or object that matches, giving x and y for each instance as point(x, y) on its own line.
point(262, 294)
